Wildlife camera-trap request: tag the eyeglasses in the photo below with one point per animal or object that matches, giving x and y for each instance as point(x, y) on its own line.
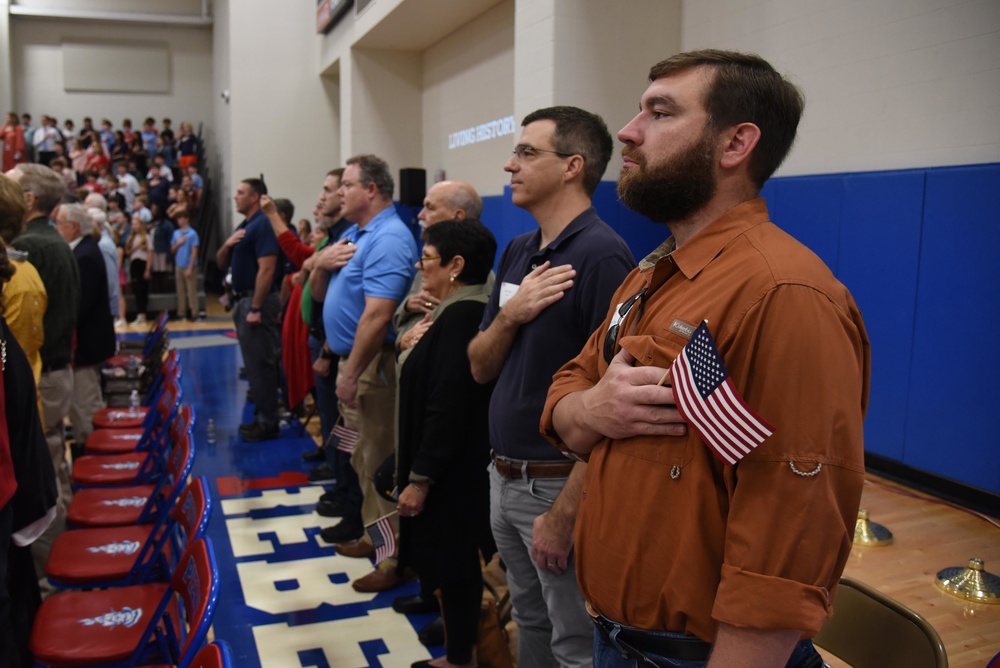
point(522, 151)
point(611, 340)
point(427, 258)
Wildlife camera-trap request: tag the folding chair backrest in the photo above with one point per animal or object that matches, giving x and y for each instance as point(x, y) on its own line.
point(156, 335)
point(169, 486)
point(871, 630)
point(216, 654)
point(196, 581)
point(193, 509)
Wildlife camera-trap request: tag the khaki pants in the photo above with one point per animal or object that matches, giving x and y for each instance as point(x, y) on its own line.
point(187, 291)
point(373, 418)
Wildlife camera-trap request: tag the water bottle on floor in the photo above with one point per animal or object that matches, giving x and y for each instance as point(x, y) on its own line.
point(210, 431)
point(133, 399)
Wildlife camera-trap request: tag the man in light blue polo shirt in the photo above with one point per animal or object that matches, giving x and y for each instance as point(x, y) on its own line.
point(361, 279)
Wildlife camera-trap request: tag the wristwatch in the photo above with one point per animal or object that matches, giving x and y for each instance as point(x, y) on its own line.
point(255, 309)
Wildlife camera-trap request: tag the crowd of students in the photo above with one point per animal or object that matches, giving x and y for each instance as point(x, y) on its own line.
point(149, 186)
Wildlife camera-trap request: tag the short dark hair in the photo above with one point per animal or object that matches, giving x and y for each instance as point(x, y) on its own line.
point(579, 132)
point(286, 208)
point(468, 238)
point(745, 88)
point(374, 170)
point(256, 185)
point(338, 172)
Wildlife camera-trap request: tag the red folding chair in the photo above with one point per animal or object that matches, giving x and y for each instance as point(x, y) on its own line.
point(135, 625)
point(139, 504)
point(135, 417)
point(216, 654)
point(134, 468)
point(127, 555)
point(123, 441)
point(146, 347)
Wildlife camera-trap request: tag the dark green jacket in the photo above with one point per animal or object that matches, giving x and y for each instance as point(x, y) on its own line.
point(49, 253)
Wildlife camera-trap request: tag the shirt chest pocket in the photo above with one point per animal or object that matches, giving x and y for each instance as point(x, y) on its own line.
point(657, 350)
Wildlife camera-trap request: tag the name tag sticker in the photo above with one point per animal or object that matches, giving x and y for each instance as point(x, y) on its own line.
point(508, 290)
point(682, 328)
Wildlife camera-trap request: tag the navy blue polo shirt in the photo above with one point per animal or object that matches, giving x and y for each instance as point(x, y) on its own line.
point(602, 260)
point(258, 242)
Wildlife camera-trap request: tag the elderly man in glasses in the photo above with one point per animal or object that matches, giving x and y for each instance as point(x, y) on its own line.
point(727, 538)
point(552, 290)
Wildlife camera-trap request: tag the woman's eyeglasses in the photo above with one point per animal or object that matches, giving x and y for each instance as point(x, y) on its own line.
point(611, 340)
point(428, 258)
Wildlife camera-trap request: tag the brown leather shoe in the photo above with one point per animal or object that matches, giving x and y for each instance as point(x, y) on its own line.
point(381, 579)
point(356, 549)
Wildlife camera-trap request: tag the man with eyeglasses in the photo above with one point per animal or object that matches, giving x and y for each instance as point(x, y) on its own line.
point(690, 555)
point(552, 290)
point(361, 279)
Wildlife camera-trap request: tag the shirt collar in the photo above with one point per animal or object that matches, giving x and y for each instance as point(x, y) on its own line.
point(373, 224)
point(76, 242)
point(695, 255)
point(587, 218)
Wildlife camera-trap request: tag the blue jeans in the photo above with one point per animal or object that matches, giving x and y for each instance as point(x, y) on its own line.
point(606, 655)
point(326, 393)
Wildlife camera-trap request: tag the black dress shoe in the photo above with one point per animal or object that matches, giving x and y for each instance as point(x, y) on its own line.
point(412, 605)
point(257, 433)
point(343, 532)
point(315, 456)
point(432, 634)
point(246, 426)
point(330, 508)
point(322, 474)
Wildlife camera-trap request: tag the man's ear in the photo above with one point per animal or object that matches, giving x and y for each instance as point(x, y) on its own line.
point(574, 167)
point(741, 141)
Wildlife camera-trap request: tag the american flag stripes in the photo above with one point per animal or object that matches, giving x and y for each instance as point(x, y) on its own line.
point(709, 402)
point(383, 538)
point(347, 439)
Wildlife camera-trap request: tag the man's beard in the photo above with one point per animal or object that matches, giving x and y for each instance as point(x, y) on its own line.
point(674, 190)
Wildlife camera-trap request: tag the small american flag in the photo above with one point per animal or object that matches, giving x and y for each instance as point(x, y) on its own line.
point(709, 402)
point(347, 439)
point(383, 538)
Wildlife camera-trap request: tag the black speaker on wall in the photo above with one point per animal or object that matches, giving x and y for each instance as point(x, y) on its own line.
point(412, 186)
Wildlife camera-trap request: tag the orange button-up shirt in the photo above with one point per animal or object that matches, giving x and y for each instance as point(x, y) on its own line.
point(668, 537)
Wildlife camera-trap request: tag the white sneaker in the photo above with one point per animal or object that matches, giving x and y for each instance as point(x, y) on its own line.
point(120, 322)
point(139, 320)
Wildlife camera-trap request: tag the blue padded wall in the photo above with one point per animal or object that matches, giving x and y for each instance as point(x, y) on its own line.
point(954, 389)
point(919, 251)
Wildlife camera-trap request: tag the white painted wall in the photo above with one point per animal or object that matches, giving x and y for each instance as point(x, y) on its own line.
point(602, 55)
point(889, 84)
point(279, 120)
point(469, 80)
point(37, 67)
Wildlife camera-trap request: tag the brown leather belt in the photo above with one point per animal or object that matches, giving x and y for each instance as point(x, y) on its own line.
point(517, 469)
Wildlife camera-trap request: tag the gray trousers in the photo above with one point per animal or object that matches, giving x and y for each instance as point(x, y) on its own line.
point(261, 348)
point(56, 388)
point(552, 622)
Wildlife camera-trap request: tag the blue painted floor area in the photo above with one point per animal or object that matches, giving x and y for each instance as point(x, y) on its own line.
point(286, 598)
